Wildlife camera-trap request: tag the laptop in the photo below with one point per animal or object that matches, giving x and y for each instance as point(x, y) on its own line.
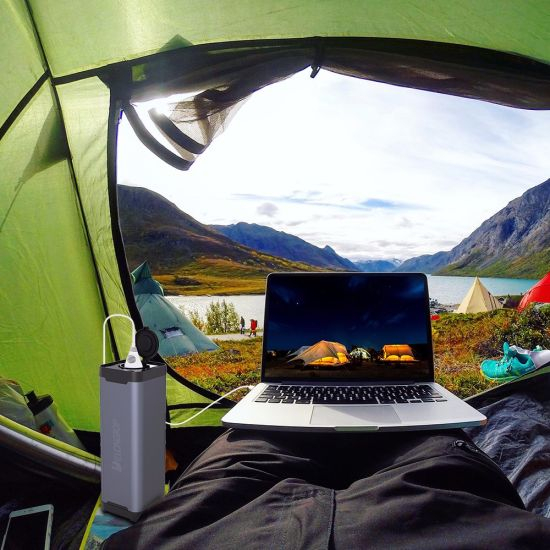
point(348, 352)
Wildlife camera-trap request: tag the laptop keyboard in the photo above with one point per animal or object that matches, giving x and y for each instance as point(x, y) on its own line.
point(349, 395)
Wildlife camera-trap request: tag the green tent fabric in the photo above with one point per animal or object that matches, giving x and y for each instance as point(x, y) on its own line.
point(144, 282)
point(176, 334)
point(69, 67)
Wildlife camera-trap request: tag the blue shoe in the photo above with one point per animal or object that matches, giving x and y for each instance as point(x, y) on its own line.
point(512, 365)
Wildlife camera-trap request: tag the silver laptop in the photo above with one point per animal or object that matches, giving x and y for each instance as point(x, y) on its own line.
point(348, 352)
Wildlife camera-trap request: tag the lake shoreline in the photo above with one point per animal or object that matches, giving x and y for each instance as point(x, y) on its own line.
point(449, 292)
point(200, 290)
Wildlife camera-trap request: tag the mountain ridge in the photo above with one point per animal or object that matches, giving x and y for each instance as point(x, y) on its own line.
point(191, 257)
point(382, 266)
point(284, 245)
point(187, 256)
point(514, 242)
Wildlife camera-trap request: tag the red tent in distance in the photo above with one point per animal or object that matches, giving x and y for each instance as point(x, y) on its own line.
point(540, 292)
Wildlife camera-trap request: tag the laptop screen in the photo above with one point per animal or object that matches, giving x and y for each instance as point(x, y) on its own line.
point(372, 327)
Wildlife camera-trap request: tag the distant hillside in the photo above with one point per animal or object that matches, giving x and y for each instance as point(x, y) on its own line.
point(284, 245)
point(515, 242)
point(187, 256)
point(378, 265)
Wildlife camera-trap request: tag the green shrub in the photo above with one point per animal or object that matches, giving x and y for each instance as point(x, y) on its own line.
point(194, 316)
point(221, 318)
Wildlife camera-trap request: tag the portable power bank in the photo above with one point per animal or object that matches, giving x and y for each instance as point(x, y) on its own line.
point(133, 437)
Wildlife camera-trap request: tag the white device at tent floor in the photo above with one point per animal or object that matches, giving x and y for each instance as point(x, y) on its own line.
point(29, 528)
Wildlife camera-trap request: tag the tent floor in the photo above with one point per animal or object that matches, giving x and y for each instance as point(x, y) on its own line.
point(22, 486)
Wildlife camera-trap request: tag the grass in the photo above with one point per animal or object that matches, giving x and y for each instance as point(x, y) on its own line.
point(225, 276)
point(532, 265)
point(461, 342)
point(236, 363)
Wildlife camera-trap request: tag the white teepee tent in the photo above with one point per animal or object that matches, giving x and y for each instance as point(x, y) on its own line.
point(478, 299)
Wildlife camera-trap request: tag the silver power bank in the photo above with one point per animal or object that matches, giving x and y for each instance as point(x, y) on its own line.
point(133, 438)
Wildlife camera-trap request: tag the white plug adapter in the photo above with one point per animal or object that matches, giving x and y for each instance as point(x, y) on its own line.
point(133, 361)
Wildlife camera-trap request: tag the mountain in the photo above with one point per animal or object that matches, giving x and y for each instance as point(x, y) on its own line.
point(377, 265)
point(187, 256)
point(515, 242)
point(427, 263)
point(284, 245)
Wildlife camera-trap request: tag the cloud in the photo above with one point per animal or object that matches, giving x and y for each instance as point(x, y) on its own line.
point(405, 222)
point(267, 209)
point(385, 242)
point(304, 194)
point(391, 205)
point(379, 203)
point(336, 201)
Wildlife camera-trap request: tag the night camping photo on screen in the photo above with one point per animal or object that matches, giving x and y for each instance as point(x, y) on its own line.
point(373, 328)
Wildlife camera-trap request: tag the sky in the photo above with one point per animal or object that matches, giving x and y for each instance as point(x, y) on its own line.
point(372, 170)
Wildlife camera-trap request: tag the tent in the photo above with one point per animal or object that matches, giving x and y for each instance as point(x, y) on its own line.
point(359, 353)
point(71, 67)
point(176, 334)
point(297, 352)
point(538, 293)
point(397, 352)
point(478, 299)
point(324, 354)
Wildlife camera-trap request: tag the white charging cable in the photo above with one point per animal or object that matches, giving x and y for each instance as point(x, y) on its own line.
point(133, 360)
point(210, 405)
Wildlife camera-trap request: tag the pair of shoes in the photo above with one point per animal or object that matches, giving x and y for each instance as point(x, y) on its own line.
point(515, 362)
point(539, 355)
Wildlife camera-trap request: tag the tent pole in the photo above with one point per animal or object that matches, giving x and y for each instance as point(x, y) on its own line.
point(115, 111)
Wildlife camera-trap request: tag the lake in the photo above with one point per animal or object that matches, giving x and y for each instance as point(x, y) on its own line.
point(445, 289)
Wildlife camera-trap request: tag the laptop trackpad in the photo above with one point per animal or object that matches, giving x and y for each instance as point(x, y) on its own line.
point(325, 415)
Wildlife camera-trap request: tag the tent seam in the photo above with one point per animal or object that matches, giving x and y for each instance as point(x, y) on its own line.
point(25, 100)
point(312, 40)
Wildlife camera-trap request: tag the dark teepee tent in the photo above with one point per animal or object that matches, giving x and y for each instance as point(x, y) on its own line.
point(71, 67)
point(176, 334)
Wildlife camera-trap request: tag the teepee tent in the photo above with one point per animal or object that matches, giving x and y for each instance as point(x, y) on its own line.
point(478, 299)
point(71, 67)
point(176, 334)
point(538, 293)
point(324, 354)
